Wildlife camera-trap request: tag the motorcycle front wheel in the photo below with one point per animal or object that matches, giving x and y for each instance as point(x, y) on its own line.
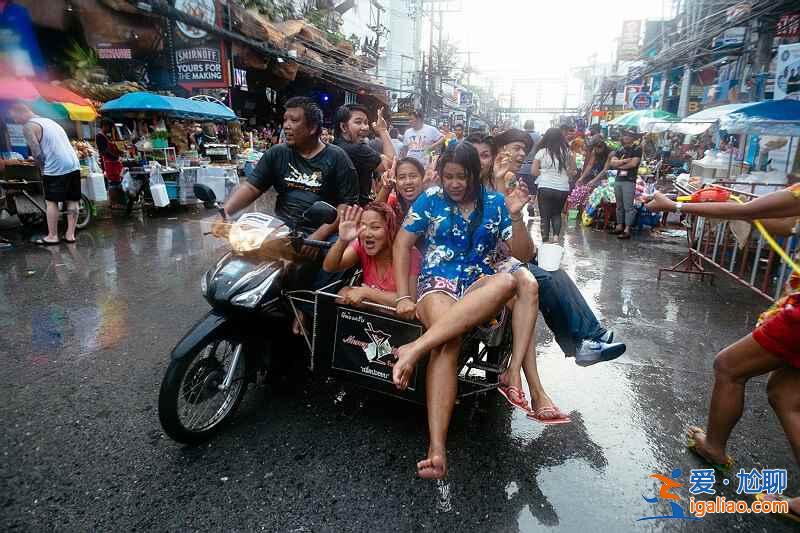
point(192, 405)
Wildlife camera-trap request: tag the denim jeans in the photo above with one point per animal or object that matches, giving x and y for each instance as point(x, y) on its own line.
point(565, 310)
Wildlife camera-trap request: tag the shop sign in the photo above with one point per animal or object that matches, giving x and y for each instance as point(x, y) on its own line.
point(113, 52)
point(787, 74)
point(642, 101)
point(240, 78)
point(629, 40)
point(16, 135)
point(199, 56)
point(731, 37)
point(788, 25)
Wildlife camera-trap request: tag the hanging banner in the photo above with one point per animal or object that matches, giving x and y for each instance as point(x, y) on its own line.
point(629, 40)
point(200, 60)
point(787, 73)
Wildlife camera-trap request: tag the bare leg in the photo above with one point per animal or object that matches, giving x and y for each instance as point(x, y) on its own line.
point(525, 310)
point(477, 306)
point(733, 366)
point(72, 220)
point(442, 384)
point(52, 215)
point(783, 389)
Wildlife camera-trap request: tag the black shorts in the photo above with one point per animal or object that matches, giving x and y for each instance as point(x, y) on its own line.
point(63, 188)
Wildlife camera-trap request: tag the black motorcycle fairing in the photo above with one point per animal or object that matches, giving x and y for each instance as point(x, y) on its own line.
point(205, 328)
point(234, 275)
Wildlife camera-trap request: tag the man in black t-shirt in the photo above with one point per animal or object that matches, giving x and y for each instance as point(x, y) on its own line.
point(302, 171)
point(351, 128)
point(626, 162)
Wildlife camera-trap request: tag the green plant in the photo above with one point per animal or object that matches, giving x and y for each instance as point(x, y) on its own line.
point(277, 10)
point(78, 61)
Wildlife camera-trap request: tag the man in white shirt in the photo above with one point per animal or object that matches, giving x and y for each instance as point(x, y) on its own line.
point(421, 139)
point(50, 146)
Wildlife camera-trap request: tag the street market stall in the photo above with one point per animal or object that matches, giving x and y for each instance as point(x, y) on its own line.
point(766, 149)
point(20, 179)
point(193, 140)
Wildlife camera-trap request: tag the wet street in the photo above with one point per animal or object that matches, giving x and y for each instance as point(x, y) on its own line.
point(86, 331)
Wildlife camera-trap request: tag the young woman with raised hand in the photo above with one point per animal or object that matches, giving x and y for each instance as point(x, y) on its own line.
point(366, 237)
point(460, 225)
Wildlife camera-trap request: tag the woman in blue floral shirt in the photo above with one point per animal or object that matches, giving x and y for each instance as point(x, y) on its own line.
point(461, 225)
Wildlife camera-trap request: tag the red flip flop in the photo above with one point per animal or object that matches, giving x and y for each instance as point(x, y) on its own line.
point(560, 417)
point(520, 403)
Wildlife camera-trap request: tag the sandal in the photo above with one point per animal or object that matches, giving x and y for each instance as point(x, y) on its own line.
point(791, 515)
point(559, 418)
point(70, 241)
point(520, 403)
point(45, 242)
point(723, 468)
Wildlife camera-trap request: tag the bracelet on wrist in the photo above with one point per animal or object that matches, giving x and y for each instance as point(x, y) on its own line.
point(401, 298)
point(516, 219)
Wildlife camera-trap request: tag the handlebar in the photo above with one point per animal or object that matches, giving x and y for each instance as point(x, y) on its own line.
point(365, 302)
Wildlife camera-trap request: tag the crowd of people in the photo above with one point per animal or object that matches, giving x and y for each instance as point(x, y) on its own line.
point(440, 236)
point(435, 221)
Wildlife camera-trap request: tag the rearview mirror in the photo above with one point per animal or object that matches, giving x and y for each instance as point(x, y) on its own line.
point(320, 213)
point(204, 193)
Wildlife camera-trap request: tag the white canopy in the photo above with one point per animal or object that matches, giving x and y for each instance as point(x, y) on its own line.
point(696, 123)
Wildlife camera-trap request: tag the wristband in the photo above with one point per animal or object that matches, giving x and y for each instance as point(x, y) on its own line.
point(517, 219)
point(679, 207)
point(401, 298)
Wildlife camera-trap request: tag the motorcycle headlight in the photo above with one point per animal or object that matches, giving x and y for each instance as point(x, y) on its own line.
point(245, 237)
point(250, 299)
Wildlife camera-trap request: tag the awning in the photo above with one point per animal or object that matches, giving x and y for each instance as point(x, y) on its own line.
point(64, 111)
point(768, 117)
point(168, 105)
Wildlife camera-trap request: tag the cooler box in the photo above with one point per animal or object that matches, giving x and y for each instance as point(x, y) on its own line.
point(221, 180)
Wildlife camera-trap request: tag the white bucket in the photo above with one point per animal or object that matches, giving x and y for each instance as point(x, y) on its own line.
point(550, 256)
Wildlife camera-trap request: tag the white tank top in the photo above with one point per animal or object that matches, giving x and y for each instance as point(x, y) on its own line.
point(57, 153)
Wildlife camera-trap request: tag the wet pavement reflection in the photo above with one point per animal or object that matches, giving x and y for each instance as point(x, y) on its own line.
point(86, 330)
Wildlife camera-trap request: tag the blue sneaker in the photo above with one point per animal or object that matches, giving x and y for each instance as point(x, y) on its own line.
point(592, 352)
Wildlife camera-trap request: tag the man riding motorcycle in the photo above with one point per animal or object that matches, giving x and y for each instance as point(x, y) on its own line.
point(302, 171)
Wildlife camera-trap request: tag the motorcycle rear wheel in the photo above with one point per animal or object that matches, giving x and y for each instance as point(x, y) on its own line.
point(191, 407)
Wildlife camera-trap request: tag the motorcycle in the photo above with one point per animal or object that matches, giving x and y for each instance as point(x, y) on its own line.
point(255, 290)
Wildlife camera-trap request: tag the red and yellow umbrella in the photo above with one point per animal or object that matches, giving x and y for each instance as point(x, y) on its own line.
point(48, 100)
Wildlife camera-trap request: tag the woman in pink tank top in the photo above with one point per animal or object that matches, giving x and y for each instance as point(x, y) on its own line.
point(366, 237)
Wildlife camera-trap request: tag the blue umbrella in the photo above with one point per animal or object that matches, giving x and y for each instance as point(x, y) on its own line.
point(169, 105)
point(769, 117)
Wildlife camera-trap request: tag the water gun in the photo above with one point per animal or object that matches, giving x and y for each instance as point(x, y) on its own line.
point(707, 194)
point(717, 194)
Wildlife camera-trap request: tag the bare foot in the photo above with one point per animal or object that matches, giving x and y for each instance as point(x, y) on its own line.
point(434, 466)
point(510, 379)
point(701, 447)
point(403, 367)
point(299, 323)
point(541, 403)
